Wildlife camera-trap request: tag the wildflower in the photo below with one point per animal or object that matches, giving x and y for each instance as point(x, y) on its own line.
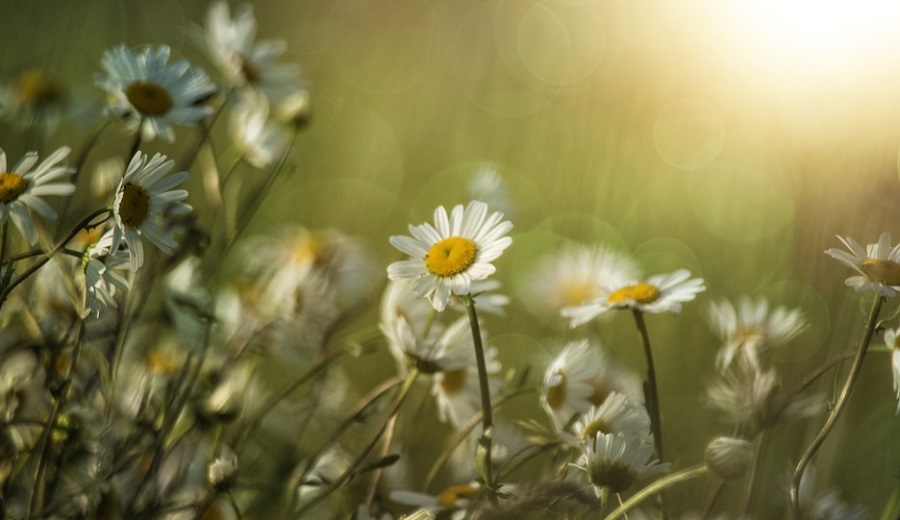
point(615, 461)
point(33, 94)
point(258, 139)
point(450, 499)
point(728, 457)
point(143, 200)
point(580, 376)
point(246, 63)
point(448, 256)
point(152, 94)
point(878, 265)
point(660, 293)
point(101, 281)
point(21, 189)
point(617, 414)
point(892, 339)
point(221, 472)
point(751, 328)
point(575, 275)
point(753, 399)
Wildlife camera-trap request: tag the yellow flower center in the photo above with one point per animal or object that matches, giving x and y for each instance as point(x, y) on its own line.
point(577, 292)
point(36, 89)
point(640, 293)
point(311, 249)
point(594, 427)
point(881, 271)
point(556, 395)
point(149, 98)
point(454, 381)
point(450, 497)
point(161, 363)
point(11, 186)
point(450, 256)
point(250, 71)
point(135, 205)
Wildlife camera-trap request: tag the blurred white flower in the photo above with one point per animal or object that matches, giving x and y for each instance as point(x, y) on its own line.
point(21, 189)
point(259, 139)
point(878, 265)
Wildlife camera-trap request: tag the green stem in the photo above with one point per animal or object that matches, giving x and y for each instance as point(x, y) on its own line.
point(483, 452)
point(654, 488)
point(357, 462)
point(838, 406)
point(651, 390)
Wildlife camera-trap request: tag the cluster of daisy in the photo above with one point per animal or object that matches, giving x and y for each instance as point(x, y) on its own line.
point(156, 363)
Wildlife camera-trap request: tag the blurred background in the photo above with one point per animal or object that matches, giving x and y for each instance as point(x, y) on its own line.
point(734, 139)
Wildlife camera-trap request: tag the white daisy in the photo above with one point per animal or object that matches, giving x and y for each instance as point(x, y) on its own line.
point(21, 189)
point(892, 339)
point(246, 63)
point(754, 399)
point(660, 293)
point(617, 414)
point(615, 461)
point(443, 349)
point(100, 277)
point(878, 265)
point(750, 329)
point(144, 200)
point(450, 499)
point(582, 376)
point(575, 275)
point(448, 256)
point(149, 92)
point(259, 140)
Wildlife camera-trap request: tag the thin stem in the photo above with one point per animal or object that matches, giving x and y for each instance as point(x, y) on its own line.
point(654, 488)
point(355, 465)
point(651, 388)
point(483, 452)
point(753, 479)
point(838, 406)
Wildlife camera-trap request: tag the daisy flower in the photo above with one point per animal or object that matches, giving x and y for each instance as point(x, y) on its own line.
point(32, 96)
point(660, 293)
point(231, 44)
point(750, 328)
point(453, 498)
point(144, 199)
point(101, 281)
point(617, 414)
point(582, 376)
point(148, 92)
point(575, 275)
point(259, 140)
point(448, 256)
point(21, 189)
point(892, 339)
point(878, 265)
point(615, 462)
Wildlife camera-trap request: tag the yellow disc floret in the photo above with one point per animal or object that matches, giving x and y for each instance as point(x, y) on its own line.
point(556, 394)
point(135, 205)
point(450, 256)
point(881, 271)
point(454, 381)
point(149, 98)
point(641, 293)
point(450, 498)
point(11, 186)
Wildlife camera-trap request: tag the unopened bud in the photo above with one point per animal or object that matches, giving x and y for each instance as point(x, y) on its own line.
point(728, 457)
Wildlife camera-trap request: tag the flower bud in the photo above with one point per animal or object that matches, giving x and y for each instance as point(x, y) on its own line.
point(728, 457)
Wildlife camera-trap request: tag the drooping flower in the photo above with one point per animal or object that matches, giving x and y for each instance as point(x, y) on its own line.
point(660, 293)
point(150, 93)
point(448, 256)
point(617, 414)
point(102, 281)
point(257, 137)
point(878, 265)
point(232, 46)
point(750, 329)
point(21, 189)
point(144, 200)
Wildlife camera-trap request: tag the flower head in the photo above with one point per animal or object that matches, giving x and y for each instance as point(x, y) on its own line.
point(21, 189)
point(448, 256)
point(231, 44)
point(101, 279)
point(750, 328)
point(617, 414)
point(255, 135)
point(660, 293)
point(892, 339)
point(616, 461)
point(878, 265)
point(144, 199)
point(152, 94)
